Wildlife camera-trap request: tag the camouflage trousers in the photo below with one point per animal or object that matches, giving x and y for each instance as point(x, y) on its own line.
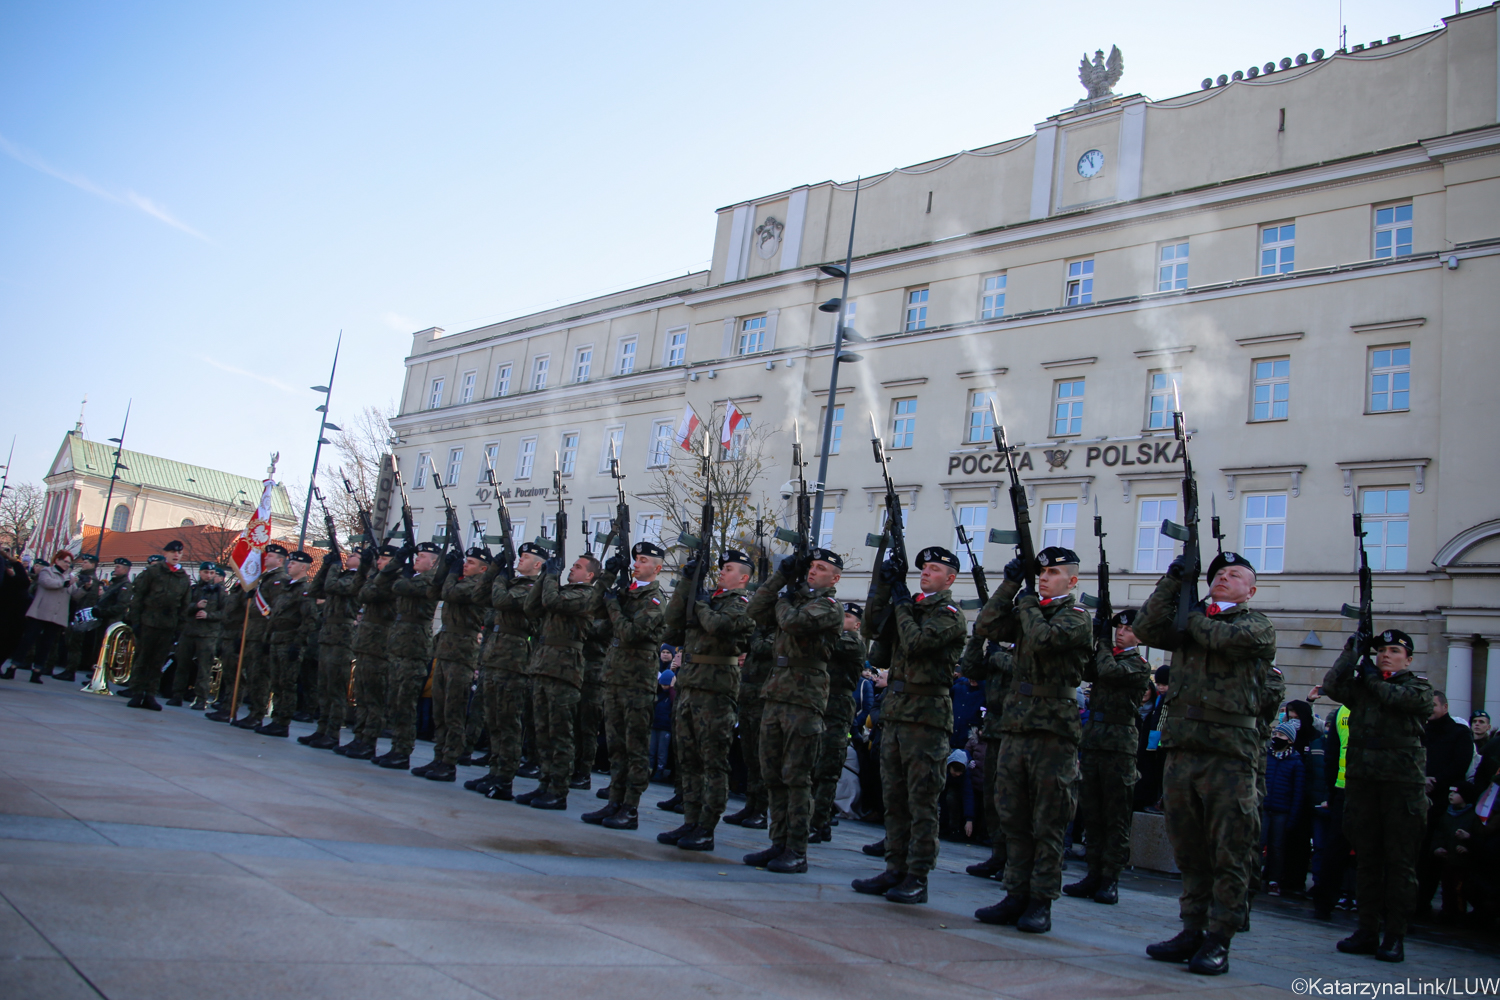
point(408, 676)
point(789, 739)
point(1036, 778)
point(333, 687)
point(506, 695)
point(703, 730)
point(749, 735)
point(1107, 800)
point(452, 683)
point(1386, 820)
point(255, 676)
point(1213, 821)
point(195, 655)
point(286, 664)
point(627, 729)
point(991, 798)
point(553, 705)
point(911, 782)
point(152, 647)
point(586, 720)
point(372, 676)
point(831, 753)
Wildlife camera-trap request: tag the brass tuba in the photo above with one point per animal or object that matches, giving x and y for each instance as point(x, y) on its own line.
point(116, 653)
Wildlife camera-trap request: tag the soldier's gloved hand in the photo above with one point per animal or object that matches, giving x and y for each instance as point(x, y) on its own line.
point(1177, 567)
point(406, 552)
point(788, 566)
point(329, 558)
point(690, 571)
point(899, 593)
point(1356, 643)
point(616, 564)
point(610, 594)
point(1014, 571)
point(892, 570)
point(368, 555)
point(554, 565)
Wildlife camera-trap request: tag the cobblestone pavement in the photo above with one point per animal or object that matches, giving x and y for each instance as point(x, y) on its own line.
point(161, 856)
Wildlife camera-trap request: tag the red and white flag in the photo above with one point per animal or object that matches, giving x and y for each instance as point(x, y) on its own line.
point(244, 556)
point(686, 426)
point(732, 419)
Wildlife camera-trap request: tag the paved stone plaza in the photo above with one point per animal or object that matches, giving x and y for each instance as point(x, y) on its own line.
point(158, 856)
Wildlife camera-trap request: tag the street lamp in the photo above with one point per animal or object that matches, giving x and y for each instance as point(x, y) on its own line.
point(323, 425)
point(841, 332)
point(114, 477)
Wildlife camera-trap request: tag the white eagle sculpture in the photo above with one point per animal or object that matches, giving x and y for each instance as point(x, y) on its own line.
point(1099, 76)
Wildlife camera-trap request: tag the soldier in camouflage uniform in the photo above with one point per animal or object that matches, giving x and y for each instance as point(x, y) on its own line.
point(759, 658)
point(411, 649)
point(991, 663)
point(712, 630)
point(808, 619)
point(466, 598)
point(255, 669)
point(372, 662)
point(1221, 669)
point(916, 717)
point(161, 596)
point(339, 592)
point(637, 621)
point(198, 642)
point(1385, 797)
point(232, 628)
point(1119, 676)
point(1037, 767)
point(505, 669)
point(590, 714)
point(293, 617)
point(844, 667)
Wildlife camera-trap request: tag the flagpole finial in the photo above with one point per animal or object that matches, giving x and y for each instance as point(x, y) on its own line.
point(275, 457)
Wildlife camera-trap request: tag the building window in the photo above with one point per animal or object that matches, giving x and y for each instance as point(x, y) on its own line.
point(993, 304)
point(1265, 532)
point(187, 522)
point(583, 363)
point(1272, 390)
point(120, 521)
point(626, 363)
point(904, 423)
point(1390, 379)
point(1067, 412)
point(752, 336)
point(1153, 550)
point(455, 465)
point(1166, 387)
point(736, 449)
point(648, 528)
point(1393, 231)
point(916, 309)
point(502, 380)
point(491, 459)
point(1059, 521)
point(676, 347)
point(526, 459)
point(477, 530)
point(569, 458)
point(1080, 287)
point(419, 478)
point(836, 440)
point(1278, 249)
point(539, 372)
point(981, 416)
point(466, 387)
point(518, 530)
point(1386, 520)
point(435, 397)
point(975, 519)
point(662, 439)
point(1171, 270)
point(614, 444)
point(825, 530)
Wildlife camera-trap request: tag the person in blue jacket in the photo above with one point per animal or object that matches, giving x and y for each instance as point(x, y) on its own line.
point(1286, 781)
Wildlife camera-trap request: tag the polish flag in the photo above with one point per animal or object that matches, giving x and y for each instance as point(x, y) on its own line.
point(732, 419)
point(686, 426)
point(244, 556)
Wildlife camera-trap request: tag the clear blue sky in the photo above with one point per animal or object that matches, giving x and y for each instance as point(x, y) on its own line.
point(195, 198)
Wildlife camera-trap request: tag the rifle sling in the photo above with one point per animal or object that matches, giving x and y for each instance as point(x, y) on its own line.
point(711, 661)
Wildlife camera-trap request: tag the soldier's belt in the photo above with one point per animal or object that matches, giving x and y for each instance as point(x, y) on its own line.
point(563, 644)
point(1110, 720)
point(1202, 713)
point(711, 661)
point(1031, 690)
point(640, 649)
point(514, 635)
point(1386, 742)
point(920, 690)
point(786, 661)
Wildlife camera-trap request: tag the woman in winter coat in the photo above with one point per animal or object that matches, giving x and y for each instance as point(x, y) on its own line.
point(46, 618)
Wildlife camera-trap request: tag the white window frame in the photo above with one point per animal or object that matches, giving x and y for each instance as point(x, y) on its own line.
point(1392, 371)
point(659, 454)
point(1163, 388)
point(1078, 290)
point(676, 347)
point(1277, 253)
point(1270, 383)
point(1149, 542)
point(1059, 530)
point(518, 530)
point(1379, 547)
point(835, 442)
point(751, 338)
point(992, 296)
point(825, 528)
point(435, 395)
point(736, 449)
point(648, 528)
point(916, 308)
point(1073, 401)
point(1394, 229)
point(1171, 266)
point(1259, 537)
point(478, 528)
point(975, 519)
point(980, 426)
point(568, 458)
point(540, 365)
point(903, 423)
point(615, 433)
point(466, 386)
point(583, 364)
point(625, 356)
point(419, 478)
point(502, 378)
point(492, 461)
point(526, 458)
point(455, 466)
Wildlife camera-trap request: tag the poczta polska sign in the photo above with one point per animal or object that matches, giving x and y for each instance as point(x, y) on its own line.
point(1165, 451)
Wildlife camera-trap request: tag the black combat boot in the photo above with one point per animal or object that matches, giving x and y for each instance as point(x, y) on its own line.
point(138, 702)
point(248, 722)
point(530, 769)
point(524, 799)
point(820, 834)
point(736, 818)
point(1005, 912)
point(1393, 948)
point(36, 676)
point(602, 793)
point(217, 715)
point(991, 867)
point(470, 760)
point(1108, 892)
point(1361, 942)
point(441, 772)
point(1178, 949)
point(67, 676)
point(913, 889)
point(325, 742)
point(598, 816)
point(393, 761)
point(701, 839)
point(175, 702)
point(581, 782)
point(756, 822)
point(500, 791)
point(879, 884)
point(198, 705)
point(672, 805)
point(9, 673)
point(304, 740)
point(1038, 917)
point(360, 751)
point(549, 801)
point(1084, 887)
point(144, 701)
point(625, 818)
point(420, 771)
point(761, 858)
point(671, 837)
point(274, 729)
point(789, 862)
point(875, 850)
point(481, 784)
point(1212, 958)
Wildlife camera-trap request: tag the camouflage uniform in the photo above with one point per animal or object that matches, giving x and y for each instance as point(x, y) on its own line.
point(759, 659)
point(808, 624)
point(590, 712)
point(1036, 771)
point(844, 668)
point(565, 613)
point(231, 630)
point(916, 721)
point(340, 593)
point(630, 669)
point(293, 617)
point(505, 672)
point(255, 684)
point(198, 643)
point(1220, 675)
point(465, 600)
point(994, 667)
point(155, 614)
point(372, 655)
point(1107, 757)
point(1385, 795)
point(712, 633)
point(411, 653)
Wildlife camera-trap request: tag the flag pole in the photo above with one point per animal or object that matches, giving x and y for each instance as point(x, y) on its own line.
point(234, 699)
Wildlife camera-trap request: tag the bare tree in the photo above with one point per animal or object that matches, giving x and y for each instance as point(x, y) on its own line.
point(359, 447)
point(20, 509)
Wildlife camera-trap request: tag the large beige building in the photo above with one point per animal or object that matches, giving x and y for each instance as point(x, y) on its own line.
point(1307, 253)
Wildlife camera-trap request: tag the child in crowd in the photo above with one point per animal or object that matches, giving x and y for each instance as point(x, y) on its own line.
point(1286, 779)
point(1454, 841)
point(661, 726)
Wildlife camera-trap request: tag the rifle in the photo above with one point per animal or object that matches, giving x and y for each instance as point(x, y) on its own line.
point(1213, 506)
point(559, 541)
point(799, 539)
point(1365, 613)
point(408, 529)
point(1019, 508)
point(620, 531)
point(1187, 533)
point(981, 583)
point(1104, 610)
point(702, 544)
point(762, 560)
point(364, 515)
point(333, 540)
point(892, 538)
point(450, 517)
point(506, 541)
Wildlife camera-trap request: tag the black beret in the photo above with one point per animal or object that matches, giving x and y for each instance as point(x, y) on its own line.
point(828, 556)
point(531, 548)
point(206, 567)
point(1395, 637)
point(648, 549)
point(388, 549)
point(155, 559)
point(1056, 555)
point(430, 547)
point(937, 554)
point(122, 561)
point(275, 550)
point(854, 609)
point(87, 557)
point(300, 556)
point(1227, 559)
point(173, 546)
point(477, 552)
point(734, 556)
point(1125, 617)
